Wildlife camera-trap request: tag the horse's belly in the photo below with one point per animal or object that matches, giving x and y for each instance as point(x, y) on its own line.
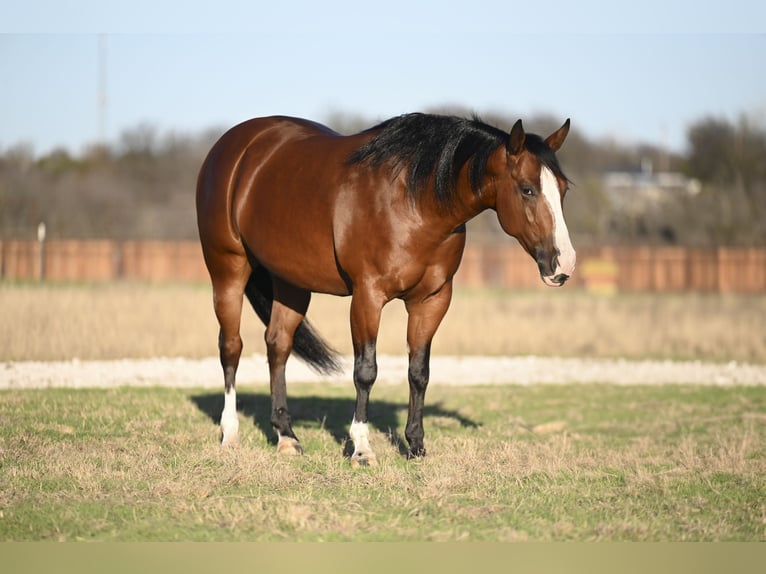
point(301, 259)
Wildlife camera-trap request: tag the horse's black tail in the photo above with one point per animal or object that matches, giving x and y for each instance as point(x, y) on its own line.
point(307, 343)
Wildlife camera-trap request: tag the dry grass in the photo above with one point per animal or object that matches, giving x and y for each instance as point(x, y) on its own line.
point(619, 463)
point(139, 320)
point(506, 463)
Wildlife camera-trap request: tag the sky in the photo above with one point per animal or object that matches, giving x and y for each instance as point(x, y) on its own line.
point(637, 73)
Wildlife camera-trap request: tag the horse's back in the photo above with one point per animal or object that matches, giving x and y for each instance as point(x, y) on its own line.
point(259, 136)
point(269, 186)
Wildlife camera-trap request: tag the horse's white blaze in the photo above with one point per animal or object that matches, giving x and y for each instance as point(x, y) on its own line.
point(567, 257)
point(360, 434)
point(229, 418)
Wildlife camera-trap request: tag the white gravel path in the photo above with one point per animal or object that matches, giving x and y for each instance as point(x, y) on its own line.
point(179, 372)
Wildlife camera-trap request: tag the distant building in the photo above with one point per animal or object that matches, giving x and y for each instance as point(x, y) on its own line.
point(644, 187)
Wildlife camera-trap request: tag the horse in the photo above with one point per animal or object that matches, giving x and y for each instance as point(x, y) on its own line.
point(287, 207)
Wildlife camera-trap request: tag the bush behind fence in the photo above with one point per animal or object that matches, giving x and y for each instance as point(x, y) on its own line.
point(605, 269)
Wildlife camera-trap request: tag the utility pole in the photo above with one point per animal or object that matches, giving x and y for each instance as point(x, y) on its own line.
point(102, 45)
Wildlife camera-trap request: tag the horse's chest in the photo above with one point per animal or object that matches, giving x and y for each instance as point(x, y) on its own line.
point(423, 267)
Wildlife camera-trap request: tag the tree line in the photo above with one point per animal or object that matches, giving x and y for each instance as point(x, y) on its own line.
point(142, 186)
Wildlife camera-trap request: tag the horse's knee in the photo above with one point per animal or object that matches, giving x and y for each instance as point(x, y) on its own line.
point(419, 371)
point(366, 368)
point(365, 373)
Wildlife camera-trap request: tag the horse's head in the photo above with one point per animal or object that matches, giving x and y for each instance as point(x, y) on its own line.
point(530, 191)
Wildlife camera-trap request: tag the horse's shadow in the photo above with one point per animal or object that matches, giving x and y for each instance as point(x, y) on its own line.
point(332, 414)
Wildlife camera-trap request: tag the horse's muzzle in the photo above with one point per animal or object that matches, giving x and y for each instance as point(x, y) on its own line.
point(556, 281)
point(554, 269)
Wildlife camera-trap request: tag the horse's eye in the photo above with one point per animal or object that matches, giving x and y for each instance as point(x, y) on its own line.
point(527, 191)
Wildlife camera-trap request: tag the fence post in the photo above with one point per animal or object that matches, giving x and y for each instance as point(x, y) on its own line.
point(117, 260)
point(41, 247)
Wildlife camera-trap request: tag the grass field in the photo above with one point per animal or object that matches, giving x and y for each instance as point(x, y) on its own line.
point(138, 320)
point(505, 463)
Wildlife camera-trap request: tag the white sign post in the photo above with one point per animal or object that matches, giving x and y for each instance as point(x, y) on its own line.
point(41, 247)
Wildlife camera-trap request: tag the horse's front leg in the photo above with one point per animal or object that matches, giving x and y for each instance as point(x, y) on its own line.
point(424, 319)
point(365, 321)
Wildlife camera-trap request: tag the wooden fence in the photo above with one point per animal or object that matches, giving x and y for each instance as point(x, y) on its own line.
point(626, 269)
point(102, 260)
point(606, 269)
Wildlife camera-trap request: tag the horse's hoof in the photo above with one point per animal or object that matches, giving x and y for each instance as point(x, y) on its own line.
point(289, 446)
point(359, 459)
point(417, 453)
point(230, 440)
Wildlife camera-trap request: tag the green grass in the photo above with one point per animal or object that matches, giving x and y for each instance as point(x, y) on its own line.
point(506, 463)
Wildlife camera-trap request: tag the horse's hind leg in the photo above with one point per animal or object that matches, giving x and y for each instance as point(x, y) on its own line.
point(228, 290)
point(287, 312)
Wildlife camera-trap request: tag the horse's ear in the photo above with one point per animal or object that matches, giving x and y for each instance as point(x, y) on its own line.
point(516, 140)
point(556, 139)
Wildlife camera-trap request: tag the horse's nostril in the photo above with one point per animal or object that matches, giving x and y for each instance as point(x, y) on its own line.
point(561, 278)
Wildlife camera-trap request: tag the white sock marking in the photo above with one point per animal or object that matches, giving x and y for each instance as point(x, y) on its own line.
point(360, 434)
point(229, 418)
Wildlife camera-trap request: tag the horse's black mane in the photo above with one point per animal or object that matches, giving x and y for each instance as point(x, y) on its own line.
point(439, 146)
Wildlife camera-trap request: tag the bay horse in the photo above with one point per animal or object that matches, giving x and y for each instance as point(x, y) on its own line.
point(287, 207)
